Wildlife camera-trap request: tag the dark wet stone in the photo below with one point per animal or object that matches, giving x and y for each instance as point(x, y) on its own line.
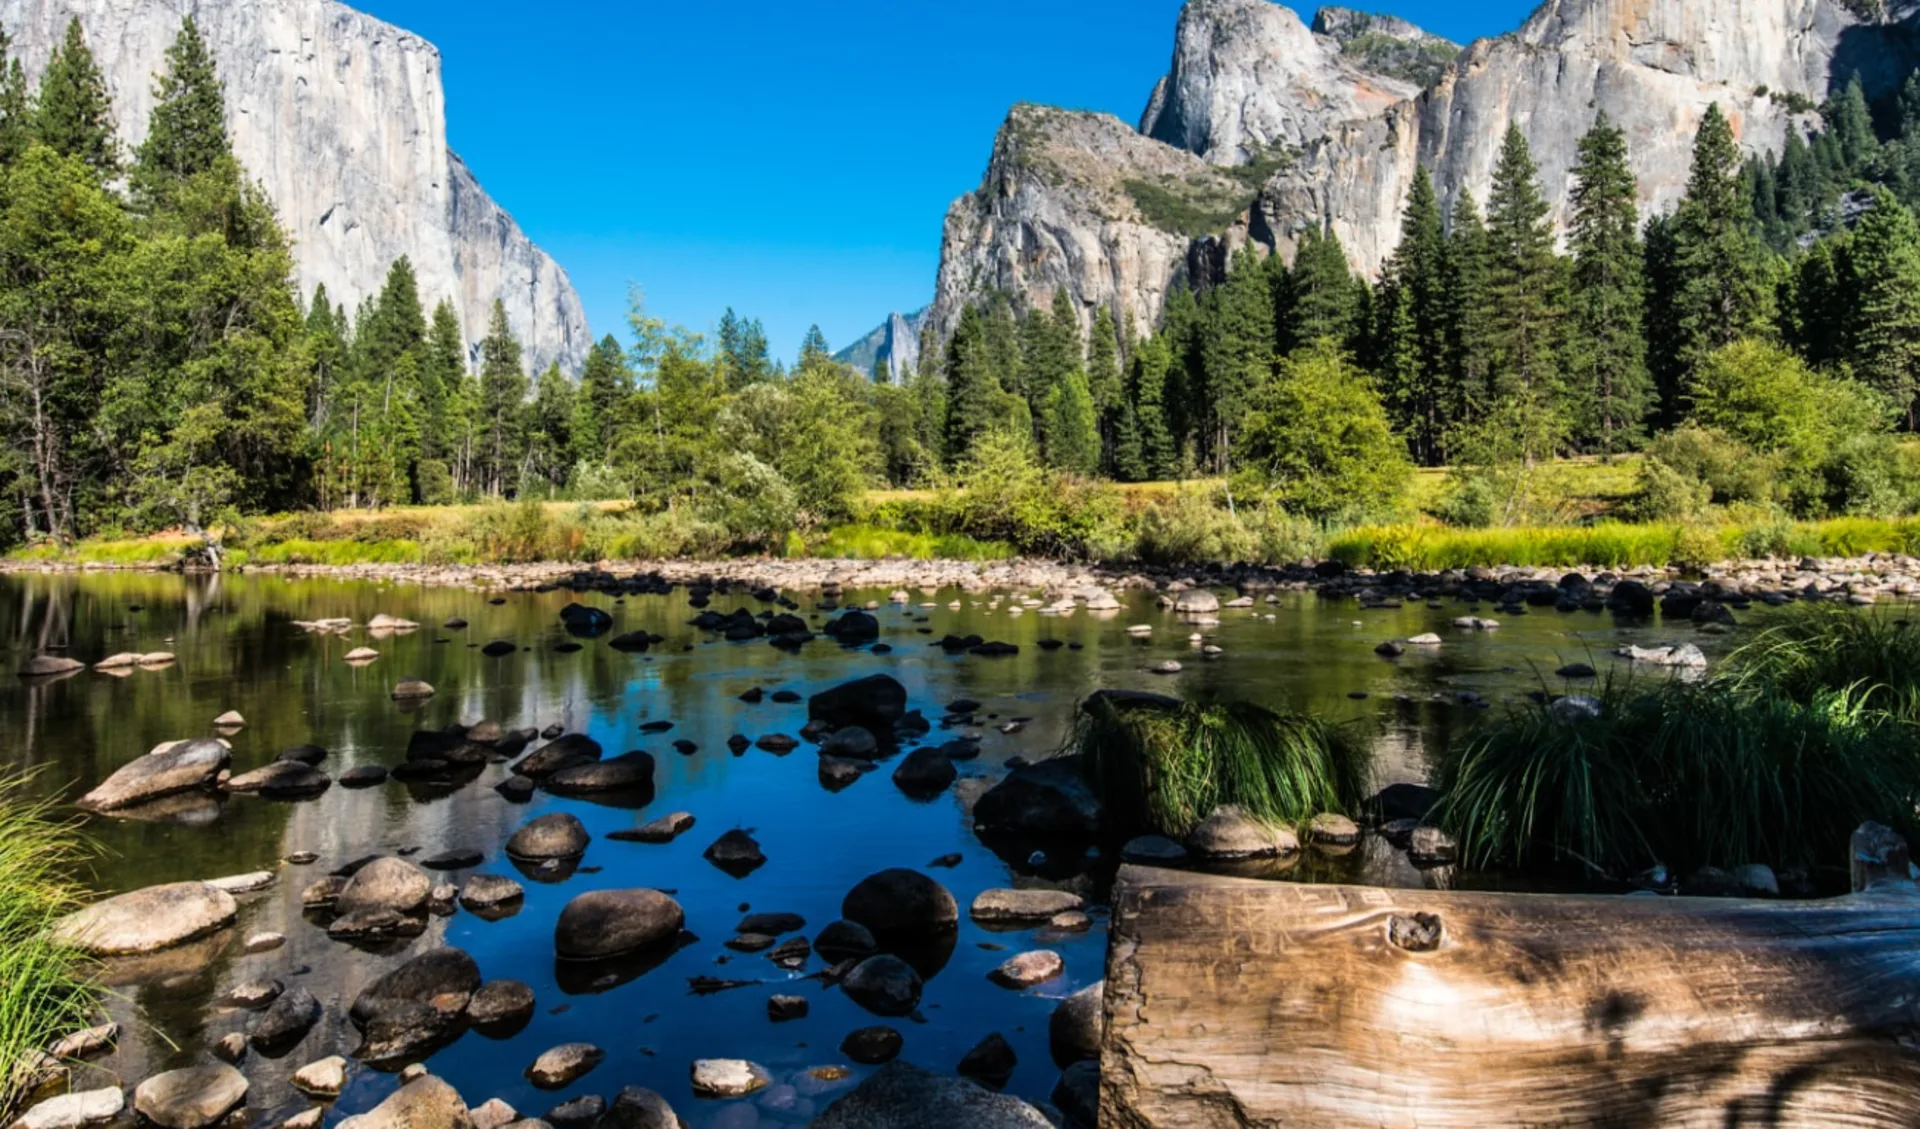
point(612, 923)
point(874, 703)
point(363, 776)
point(285, 1022)
point(737, 853)
point(457, 859)
point(416, 1007)
point(303, 754)
point(628, 772)
point(901, 902)
point(556, 835)
point(925, 773)
point(499, 649)
point(872, 1046)
point(990, 1062)
point(781, 1009)
point(845, 940)
point(884, 985)
point(772, 924)
point(1049, 799)
point(566, 752)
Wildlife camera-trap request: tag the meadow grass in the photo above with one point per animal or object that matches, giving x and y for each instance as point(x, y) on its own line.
point(1164, 766)
point(46, 989)
point(1432, 547)
point(1801, 736)
point(871, 543)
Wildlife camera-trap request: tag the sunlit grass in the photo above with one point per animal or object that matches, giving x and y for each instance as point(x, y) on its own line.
point(1165, 766)
point(869, 543)
point(46, 989)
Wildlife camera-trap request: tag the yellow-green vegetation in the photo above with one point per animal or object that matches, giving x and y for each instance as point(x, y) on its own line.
point(1799, 738)
point(1163, 765)
point(1618, 544)
point(45, 988)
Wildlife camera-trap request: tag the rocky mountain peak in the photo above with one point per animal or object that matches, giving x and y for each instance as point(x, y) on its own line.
point(1387, 45)
point(342, 118)
point(1248, 77)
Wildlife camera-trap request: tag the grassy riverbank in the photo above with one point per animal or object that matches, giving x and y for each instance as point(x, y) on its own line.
point(44, 987)
point(1186, 529)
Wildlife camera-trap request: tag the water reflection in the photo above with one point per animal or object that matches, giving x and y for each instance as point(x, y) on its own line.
point(238, 646)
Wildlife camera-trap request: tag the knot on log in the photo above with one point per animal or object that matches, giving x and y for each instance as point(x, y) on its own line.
point(1418, 933)
point(1880, 855)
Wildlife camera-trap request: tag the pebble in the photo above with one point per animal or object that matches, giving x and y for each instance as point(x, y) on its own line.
point(728, 1077)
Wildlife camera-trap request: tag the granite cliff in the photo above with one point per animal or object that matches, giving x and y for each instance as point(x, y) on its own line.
point(342, 118)
point(1264, 126)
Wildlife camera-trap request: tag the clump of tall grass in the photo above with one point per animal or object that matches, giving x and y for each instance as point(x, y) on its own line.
point(1823, 648)
point(1163, 765)
point(1801, 736)
point(46, 989)
point(872, 543)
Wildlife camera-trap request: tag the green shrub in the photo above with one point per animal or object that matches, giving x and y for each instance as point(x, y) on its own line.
point(1189, 527)
point(1319, 438)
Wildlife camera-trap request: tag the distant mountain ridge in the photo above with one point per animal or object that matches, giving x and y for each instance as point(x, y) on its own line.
point(896, 341)
point(343, 119)
point(1265, 126)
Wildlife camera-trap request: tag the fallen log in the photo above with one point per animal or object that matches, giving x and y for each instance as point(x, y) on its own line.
point(1236, 1004)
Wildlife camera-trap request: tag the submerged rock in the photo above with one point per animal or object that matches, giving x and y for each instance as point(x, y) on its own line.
point(872, 1046)
point(194, 765)
point(901, 902)
point(728, 1078)
point(564, 1064)
point(1024, 970)
point(74, 1110)
point(613, 923)
point(884, 985)
point(425, 1102)
point(873, 703)
point(1049, 799)
point(415, 1007)
point(1231, 834)
point(193, 1098)
point(149, 920)
point(1022, 906)
point(556, 835)
point(385, 884)
point(1078, 1022)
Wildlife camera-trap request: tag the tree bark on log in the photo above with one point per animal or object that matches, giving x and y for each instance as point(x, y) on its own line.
point(1236, 1004)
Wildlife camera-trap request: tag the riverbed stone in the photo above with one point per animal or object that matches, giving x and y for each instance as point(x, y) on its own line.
point(1333, 830)
point(728, 1077)
point(612, 923)
point(845, 940)
point(85, 1043)
point(901, 902)
point(491, 893)
point(873, 703)
point(1074, 1030)
point(556, 835)
point(1153, 850)
point(191, 1098)
point(639, 1108)
point(192, 766)
point(663, 830)
point(385, 884)
point(47, 666)
point(853, 742)
point(149, 920)
point(872, 1046)
point(1430, 846)
point(1013, 907)
point(885, 985)
point(568, 751)
point(781, 1009)
point(1230, 834)
point(499, 1003)
point(363, 776)
point(624, 773)
point(493, 1114)
point(562, 1065)
point(286, 1021)
point(74, 1110)
point(991, 1061)
point(412, 690)
point(1024, 970)
point(414, 1007)
point(1196, 601)
point(737, 853)
point(323, 1079)
point(925, 773)
point(580, 1113)
point(1050, 799)
point(423, 1103)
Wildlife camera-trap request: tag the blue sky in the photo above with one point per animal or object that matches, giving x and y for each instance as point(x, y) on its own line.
point(791, 159)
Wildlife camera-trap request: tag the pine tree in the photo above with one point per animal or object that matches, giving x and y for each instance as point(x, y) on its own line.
point(814, 351)
point(1884, 295)
point(1720, 270)
point(1412, 316)
point(443, 369)
point(503, 391)
point(1103, 382)
point(187, 134)
point(1612, 390)
point(16, 106)
point(1236, 355)
point(549, 430)
point(1523, 281)
point(1850, 123)
point(1321, 294)
point(1662, 277)
point(1073, 426)
point(74, 114)
point(1796, 185)
point(1049, 352)
point(1469, 302)
point(972, 386)
point(605, 383)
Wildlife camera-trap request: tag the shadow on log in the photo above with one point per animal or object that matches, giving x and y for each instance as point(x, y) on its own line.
point(1233, 1003)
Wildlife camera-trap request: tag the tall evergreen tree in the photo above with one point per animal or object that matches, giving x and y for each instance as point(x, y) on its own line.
point(1612, 389)
point(1523, 281)
point(1884, 295)
point(16, 105)
point(1104, 383)
point(188, 131)
point(1720, 281)
point(74, 114)
point(1321, 295)
point(973, 386)
point(1236, 353)
point(503, 392)
point(814, 351)
point(1412, 312)
point(605, 383)
point(1469, 330)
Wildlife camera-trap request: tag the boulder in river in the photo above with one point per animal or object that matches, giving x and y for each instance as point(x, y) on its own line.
point(1051, 799)
point(74, 1110)
point(285, 1022)
point(1075, 1029)
point(901, 903)
point(561, 1066)
point(639, 1108)
point(925, 773)
point(424, 1103)
point(737, 853)
point(556, 835)
point(191, 1098)
point(385, 884)
point(491, 894)
point(416, 1007)
point(872, 1046)
point(626, 773)
point(185, 767)
point(149, 920)
point(845, 940)
point(282, 780)
point(500, 1003)
point(1231, 834)
point(728, 1078)
point(49, 666)
point(412, 690)
point(1018, 907)
point(565, 752)
point(611, 923)
point(901, 1094)
point(873, 703)
point(1024, 970)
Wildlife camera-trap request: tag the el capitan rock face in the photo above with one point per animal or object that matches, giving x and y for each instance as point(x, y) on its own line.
point(343, 119)
point(1265, 127)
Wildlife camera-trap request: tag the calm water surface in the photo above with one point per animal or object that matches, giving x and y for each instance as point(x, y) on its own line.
point(238, 649)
